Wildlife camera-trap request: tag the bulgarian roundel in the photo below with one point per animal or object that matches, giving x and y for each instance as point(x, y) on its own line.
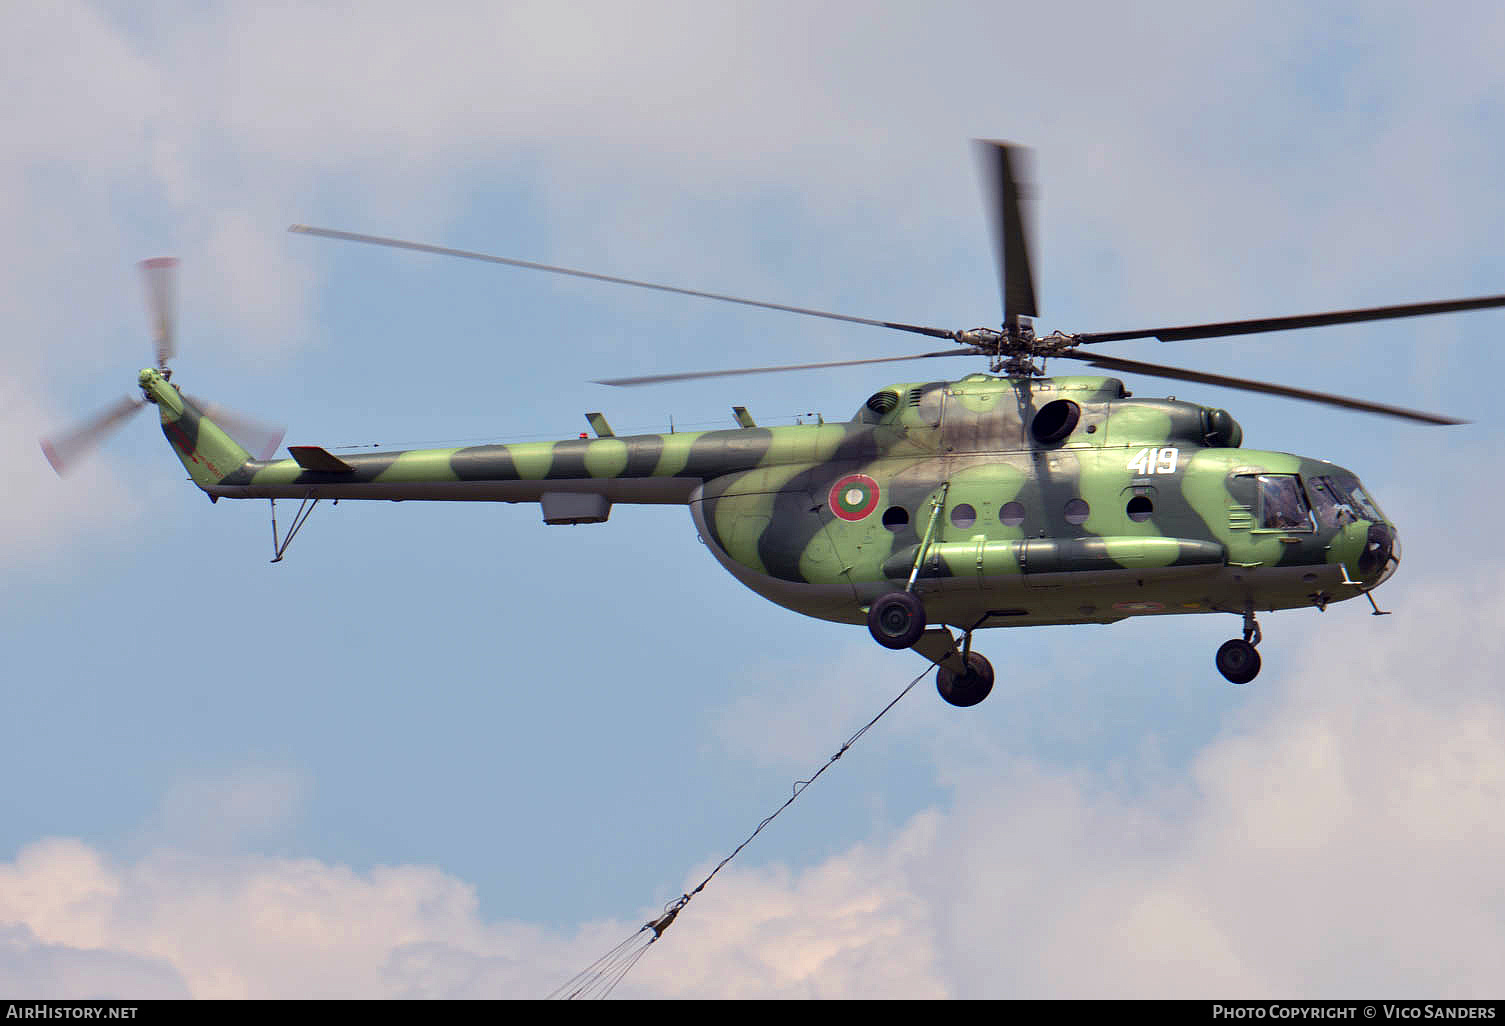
point(854, 497)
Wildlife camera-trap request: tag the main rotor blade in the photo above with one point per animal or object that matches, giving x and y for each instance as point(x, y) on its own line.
point(1317, 320)
point(420, 247)
point(63, 451)
point(654, 379)
point(258, 438)
point(1113, 363)
point(160, 274)
point(1004, 168)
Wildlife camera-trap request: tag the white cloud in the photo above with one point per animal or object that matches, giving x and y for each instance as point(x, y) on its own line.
point(30, 967)
point(274, 927)
point(858, 925)
point(241, 926)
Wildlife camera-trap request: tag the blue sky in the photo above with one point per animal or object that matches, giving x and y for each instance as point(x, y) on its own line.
point(443, 750)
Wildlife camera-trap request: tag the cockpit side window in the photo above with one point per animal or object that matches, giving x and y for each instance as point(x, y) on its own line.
point(1282, 504)
point(1330, 502)
point(1360, 498)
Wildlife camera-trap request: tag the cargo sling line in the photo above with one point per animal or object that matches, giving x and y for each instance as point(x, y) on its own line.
point(599, 978)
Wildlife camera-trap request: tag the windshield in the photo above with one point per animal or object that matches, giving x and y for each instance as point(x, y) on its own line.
point(1331, 505)
point(1338, 501)
point(1367, 506)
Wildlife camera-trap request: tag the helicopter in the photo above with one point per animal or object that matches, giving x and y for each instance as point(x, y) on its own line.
point(943, 507)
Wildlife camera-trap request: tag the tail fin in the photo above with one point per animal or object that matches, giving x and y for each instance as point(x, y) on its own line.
point(206, 449)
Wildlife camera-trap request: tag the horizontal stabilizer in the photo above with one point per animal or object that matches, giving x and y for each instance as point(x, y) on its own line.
point(312, 457)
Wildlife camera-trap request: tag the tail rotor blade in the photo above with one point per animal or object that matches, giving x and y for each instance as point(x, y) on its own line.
point(160, 274)
point(64, 451)
point(258, 438)
point(1004, 168)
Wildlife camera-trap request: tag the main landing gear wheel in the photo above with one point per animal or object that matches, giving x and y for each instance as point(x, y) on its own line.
point(896, 620)
point(1238, 661)
point(968, 688)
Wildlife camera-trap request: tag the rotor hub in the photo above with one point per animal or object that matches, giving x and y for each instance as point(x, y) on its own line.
point(1017, 351)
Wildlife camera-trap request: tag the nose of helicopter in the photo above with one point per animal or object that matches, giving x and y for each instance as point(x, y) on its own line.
point(1381, 554)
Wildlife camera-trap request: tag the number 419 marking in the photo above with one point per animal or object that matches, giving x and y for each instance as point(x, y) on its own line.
point(1155, 461)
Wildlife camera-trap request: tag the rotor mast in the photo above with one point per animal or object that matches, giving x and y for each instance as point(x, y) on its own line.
point(1003, 169)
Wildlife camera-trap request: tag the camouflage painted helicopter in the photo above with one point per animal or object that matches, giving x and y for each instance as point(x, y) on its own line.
point(998, 500)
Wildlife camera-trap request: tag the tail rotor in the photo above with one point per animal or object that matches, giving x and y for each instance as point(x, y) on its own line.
point(66, 449)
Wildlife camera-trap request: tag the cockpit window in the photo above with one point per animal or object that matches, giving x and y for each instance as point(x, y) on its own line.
point(1282, 504)
point(1366, 505)
point(1340, 500)
point(1331, 503)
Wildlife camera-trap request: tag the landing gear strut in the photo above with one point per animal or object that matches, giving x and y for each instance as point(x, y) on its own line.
point(897, 619)
point(1237, 659)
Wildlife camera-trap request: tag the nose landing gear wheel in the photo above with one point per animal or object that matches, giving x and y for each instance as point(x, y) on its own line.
point(1238, 661)
point(896, 620)
point(967, 688)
